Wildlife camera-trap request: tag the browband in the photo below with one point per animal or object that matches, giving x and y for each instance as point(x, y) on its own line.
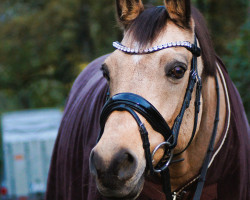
point(191, 47)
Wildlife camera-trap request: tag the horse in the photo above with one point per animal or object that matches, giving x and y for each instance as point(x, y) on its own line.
point(159, 118)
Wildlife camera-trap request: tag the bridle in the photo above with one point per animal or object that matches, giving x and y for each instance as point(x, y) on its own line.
point(131, 102)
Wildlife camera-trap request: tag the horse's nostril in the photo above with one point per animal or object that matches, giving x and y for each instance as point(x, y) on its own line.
point(126, 165)
point(121, 167)
point(130, 158)
point(95, 162)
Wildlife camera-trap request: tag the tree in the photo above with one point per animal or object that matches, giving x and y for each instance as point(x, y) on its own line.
point(39, 52)
point(229, 25)
point(43, 42)
point(238, 60)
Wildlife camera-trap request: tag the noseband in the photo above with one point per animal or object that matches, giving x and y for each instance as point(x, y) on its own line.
point(133, 103)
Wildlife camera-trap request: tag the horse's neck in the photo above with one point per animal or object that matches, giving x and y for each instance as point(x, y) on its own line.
point(183, 172)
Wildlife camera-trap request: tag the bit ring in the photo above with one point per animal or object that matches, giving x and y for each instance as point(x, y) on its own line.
point(170, 156)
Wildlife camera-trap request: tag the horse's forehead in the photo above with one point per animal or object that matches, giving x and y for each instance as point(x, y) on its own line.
point(121, 61)
point(170, 33)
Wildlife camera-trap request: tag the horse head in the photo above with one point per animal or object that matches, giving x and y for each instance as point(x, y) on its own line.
point(153, 62)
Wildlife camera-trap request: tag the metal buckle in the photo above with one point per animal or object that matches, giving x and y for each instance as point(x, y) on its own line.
point(170, 156)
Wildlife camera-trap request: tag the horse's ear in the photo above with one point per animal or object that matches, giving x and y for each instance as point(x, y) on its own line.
point(128, 10)
point(179, 11)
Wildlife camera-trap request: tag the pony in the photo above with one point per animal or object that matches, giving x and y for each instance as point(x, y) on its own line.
point(173, 125)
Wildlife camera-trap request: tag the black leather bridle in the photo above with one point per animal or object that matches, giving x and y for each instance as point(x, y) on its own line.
point(133, 103)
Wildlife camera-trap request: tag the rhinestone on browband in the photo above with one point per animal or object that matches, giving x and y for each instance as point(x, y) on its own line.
point(125, 49)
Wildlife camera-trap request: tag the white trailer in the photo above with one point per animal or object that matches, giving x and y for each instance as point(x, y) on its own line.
point(28, 138)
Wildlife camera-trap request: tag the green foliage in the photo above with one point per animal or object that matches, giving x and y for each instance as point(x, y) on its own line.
point(238, 60)
point(224, 20)
point(229, 25)
point(39, 52)
point(44, 42)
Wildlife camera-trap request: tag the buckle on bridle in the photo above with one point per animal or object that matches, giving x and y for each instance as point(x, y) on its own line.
point(169, 154)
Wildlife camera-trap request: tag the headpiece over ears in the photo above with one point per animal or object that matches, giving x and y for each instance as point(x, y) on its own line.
point(128, 10)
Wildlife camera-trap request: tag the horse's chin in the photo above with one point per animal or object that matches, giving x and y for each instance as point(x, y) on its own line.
point(129, 192)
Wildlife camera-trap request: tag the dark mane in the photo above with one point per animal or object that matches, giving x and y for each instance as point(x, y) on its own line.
point(207, 49)
point(148, 25)
point(151, 22)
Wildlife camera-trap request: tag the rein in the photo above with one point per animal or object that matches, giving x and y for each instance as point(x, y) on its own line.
point(131, 102)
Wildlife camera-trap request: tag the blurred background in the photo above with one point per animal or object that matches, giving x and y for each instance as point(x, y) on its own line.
point(45, 44)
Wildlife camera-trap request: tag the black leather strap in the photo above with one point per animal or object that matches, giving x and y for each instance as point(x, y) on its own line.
point(204, 168)
point(113, 105)
point(140, 105)
point(166, 185)
point(197, 97)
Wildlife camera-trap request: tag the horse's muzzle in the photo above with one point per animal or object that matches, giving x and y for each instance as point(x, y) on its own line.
point(115, 173)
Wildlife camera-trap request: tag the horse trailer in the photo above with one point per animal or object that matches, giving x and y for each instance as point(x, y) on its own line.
point(27, 143)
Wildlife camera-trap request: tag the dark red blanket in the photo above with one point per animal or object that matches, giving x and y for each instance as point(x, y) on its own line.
point(69, 178)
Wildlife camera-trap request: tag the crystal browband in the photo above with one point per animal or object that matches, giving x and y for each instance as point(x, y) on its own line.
point(187, 45)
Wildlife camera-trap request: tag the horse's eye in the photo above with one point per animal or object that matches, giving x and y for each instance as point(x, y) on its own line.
point(177, 72)
point(105, 71)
